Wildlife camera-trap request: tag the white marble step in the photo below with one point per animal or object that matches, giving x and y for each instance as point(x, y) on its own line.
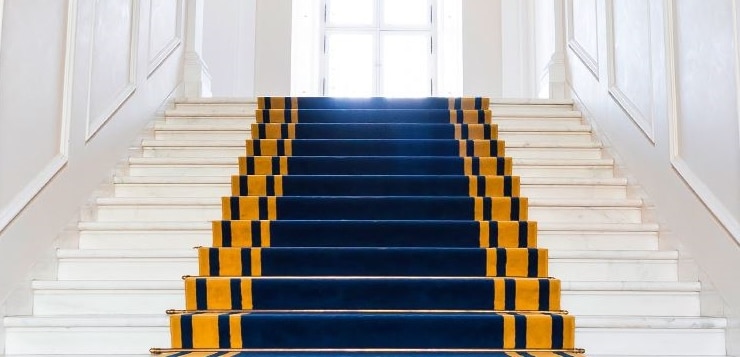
point(209, 208)
point(511, 132)
point(59, 298)
point(216, 186)
point(689, 336)
point(166, 235)
point(496, 104)
point(129, 264)
point(149, 166)
point(235, 148)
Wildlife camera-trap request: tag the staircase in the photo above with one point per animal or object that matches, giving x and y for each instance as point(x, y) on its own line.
point(111, 292)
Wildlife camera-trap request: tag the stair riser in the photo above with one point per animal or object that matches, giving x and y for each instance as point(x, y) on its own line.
point(218, 190)
point(580, 303)
point(231, 107)
point(138, 340)
point(519, 108)
point(85, 340)
point(585, 214)
point(651, 342)
point(175, 268)
point(179, 171)
point(546, 137)
point(630, 303)
point(218, 107)
point(510, 137)
point(193, 238)
point(516, 153)
point(201, 213)
point(144, 240)
point(228, 170)
point(229, 119)
point(597, 241)
point(564, 171)
point(614, 270)
point(201, 135)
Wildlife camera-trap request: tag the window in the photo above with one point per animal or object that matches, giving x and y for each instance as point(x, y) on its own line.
point(378, 48)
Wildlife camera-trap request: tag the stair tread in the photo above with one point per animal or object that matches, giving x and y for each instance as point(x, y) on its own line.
point(191, 253)
point(234, 161)
point(508, 127)
point(252, 101)
point(211, 201)
point(227, 180)
point(162, 321)
point(178, 284)
point(544, 226)
point(241, 143)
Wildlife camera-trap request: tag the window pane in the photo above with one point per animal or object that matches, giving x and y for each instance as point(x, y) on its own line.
point(350, 12)
point(350, 64)
point(406, 13)
point(405, 65)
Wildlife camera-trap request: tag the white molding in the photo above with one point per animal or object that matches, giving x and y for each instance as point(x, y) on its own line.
point(24, 197)
point(589, 61)
point(622, 99)
point(713, 204)
point(166, 51)
point(2, 6)
point(128, 89)
point(736, 32)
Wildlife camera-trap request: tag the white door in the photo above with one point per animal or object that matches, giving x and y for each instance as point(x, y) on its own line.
point(379, 48)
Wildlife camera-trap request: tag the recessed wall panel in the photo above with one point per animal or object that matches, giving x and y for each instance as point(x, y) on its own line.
point(583, 28)
point(111, 72)
point(31, 98)
point(706, 91)
point(631, 80)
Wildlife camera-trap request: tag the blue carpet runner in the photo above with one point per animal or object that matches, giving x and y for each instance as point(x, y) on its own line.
point(373, 227)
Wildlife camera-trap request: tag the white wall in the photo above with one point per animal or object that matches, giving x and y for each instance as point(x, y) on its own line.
point(659, 80)
point(79, 79)
point(228, 46)
point(272, 69)
point(498, 40)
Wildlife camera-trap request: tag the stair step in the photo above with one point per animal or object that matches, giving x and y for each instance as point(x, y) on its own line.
point(166, 235)
point(215, 186)
point(678, 336)
point(143, 166)
point(235, 148)
point(130, 264)
point(52, 298)
point(509, 134)
point(209, 209)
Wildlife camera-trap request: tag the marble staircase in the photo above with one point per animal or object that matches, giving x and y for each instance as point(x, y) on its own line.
point(112, 290)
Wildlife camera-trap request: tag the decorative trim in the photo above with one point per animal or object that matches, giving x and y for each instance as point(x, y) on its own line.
point(59, 161)
point(736, 32)
point(26, 195)
point(622, 99)
point(2, 6)
point(713, 204)
point(166, 51)
point(591, 63)
point(128, 89)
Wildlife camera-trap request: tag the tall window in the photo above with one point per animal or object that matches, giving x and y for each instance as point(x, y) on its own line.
point(378, 48)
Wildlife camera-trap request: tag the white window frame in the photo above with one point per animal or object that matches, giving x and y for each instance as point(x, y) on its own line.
point(378, 29)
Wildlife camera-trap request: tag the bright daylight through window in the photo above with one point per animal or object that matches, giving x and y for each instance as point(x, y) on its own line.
point(379, 48)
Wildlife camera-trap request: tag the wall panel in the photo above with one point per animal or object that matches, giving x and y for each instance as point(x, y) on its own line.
point(583, 32)
point(113, 59)
point(33, 144)
point(165, 31)
point(706, 107)
point(629, 54)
